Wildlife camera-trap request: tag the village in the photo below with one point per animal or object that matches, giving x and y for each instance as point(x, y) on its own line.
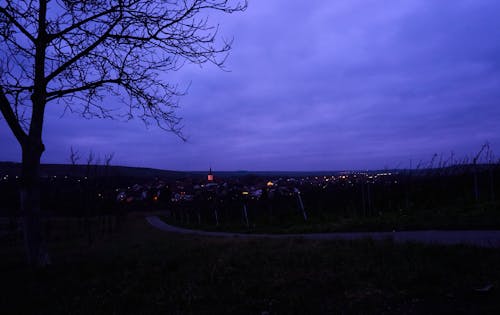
point(69, 194)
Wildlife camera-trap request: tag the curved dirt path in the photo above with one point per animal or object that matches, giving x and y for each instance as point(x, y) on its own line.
point(478, 238)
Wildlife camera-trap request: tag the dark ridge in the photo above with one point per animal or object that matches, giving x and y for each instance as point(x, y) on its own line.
point(14, 169)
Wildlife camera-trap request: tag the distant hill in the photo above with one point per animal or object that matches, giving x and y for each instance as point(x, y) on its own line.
point(225, 174)
point(14, 169)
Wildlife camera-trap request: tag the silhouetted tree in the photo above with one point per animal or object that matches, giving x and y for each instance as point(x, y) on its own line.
point(475, 171)
point(74, 156)
point(75, 53)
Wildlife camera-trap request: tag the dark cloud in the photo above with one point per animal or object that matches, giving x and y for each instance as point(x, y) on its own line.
point(322, 85)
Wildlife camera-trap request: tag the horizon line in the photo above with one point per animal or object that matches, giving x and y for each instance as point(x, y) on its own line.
point(262, 171)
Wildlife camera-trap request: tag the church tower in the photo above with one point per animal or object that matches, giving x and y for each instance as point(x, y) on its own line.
point(210, 176)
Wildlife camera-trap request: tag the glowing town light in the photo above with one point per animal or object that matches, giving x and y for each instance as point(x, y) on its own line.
point(245, 193)
point(270, 184)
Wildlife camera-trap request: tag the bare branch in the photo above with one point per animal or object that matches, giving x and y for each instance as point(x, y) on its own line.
point(11, 118)
point(82, 22)
point(92, 85)
point(82, 53)
point(17, 24)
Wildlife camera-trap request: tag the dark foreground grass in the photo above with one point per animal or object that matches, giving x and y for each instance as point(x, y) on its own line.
point(145, 271)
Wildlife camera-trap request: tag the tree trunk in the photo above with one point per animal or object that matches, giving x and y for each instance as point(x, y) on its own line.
point(36, 250)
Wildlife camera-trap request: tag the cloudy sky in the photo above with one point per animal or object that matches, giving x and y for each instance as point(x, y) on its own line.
point(320, 85)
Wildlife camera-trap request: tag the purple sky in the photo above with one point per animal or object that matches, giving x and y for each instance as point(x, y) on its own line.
point(319, 85)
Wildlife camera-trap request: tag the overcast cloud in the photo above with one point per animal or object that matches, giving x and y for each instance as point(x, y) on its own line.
point(320, 85)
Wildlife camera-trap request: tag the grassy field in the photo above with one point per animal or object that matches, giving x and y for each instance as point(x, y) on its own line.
point(473, 217)
point(139, 270)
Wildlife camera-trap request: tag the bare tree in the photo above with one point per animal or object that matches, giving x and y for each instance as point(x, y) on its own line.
point(108, 158)
point(90, 160)
point(74, 156)
point(474, 169)
point(107, 162)
point(76, 53)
